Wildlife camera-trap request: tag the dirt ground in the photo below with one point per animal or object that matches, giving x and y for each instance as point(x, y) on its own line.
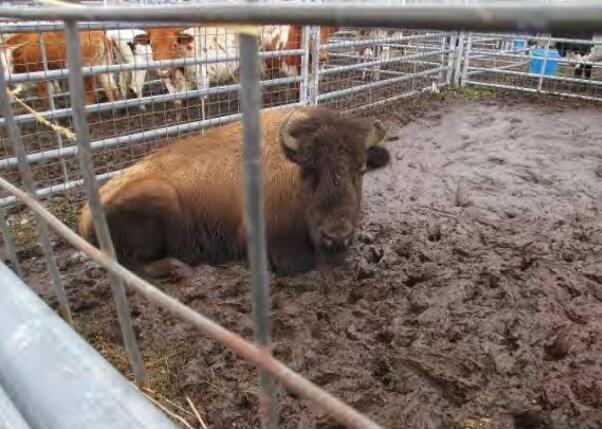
point(472, 300)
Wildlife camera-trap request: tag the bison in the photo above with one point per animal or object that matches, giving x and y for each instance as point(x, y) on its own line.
point(184, 204)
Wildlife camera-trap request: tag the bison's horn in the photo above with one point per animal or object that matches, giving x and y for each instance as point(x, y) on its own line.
point(286, 139)
point(376, 134)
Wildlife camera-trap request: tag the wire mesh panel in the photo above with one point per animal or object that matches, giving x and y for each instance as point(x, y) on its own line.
point(137, 106)
point(536, 63)
point(369, 68)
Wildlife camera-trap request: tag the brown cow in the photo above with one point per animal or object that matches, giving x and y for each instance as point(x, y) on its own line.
point(170, 44)
point(21, 53)
point(288, 37)
point(186, 201)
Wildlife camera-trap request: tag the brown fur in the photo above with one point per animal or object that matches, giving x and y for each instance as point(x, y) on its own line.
point(170, 44)
point(28, 58)
point(186, 200)
point(294, 42)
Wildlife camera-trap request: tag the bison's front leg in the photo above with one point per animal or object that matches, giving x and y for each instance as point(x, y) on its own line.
point(167, 268)
point(291, 257)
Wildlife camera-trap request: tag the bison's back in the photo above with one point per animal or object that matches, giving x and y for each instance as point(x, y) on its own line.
point(192, 191)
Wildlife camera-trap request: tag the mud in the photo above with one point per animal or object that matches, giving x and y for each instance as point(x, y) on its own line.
point(473, 298)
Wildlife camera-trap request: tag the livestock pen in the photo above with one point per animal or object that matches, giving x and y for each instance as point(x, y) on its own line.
point(472, 298)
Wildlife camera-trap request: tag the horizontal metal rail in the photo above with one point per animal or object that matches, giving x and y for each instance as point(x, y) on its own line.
point(142, 101)
point(15, 78)
point(530, 37)
point(388, 100)
point(353, 67)
point(59, 189)
point(560, 18)
point(54, 377)
point(44, 27)
point(254, 354)
point(507, 54)
point(371, 42)
point(535, 75)
point(137, 138)
point(533, 90)
point(379, 84)
point(504, 67)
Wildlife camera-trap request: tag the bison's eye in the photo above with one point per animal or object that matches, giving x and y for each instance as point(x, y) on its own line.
point(309, 174)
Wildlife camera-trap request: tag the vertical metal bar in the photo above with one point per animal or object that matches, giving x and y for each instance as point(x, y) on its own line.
point(442, 57)
point(9, 245)
point(250, 99)
point(466, 60)
point(543, 65)
point(199, 69)
point(459, 58)
point(304, 85)
point(14, 136)
point(51, 104)
point(314, 87)
point(451, 57)
point(101, 227)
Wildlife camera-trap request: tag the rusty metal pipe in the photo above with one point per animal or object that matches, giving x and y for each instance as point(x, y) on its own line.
point(293, 381)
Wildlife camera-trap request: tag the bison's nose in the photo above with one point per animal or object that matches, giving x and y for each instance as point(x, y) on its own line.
point(336, 237)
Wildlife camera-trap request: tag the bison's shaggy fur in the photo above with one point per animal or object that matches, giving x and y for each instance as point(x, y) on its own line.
point(186, 201)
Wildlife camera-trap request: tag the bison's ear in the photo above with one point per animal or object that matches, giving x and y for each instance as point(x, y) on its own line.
point(376, 155)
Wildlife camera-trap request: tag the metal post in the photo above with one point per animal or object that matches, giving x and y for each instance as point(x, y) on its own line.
point(466, 59)
point(451, 57)
point(442, 58)
point(8, 244)
point(14, 136)
point(459, 58)
point(101, 227)
point(543, 65)
point(250, 100)
point(51, 104)
point(315, 66)
point(55, 378)
point(10, 417)
point(304, 85)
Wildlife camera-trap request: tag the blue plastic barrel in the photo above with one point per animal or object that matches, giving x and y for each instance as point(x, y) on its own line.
point(536, 62)
point(519, 45)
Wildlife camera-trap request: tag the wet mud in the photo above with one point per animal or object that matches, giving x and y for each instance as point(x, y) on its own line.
point(472, 299)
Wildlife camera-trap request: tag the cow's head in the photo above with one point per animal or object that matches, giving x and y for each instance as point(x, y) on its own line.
point(333, 152)
point(140, 45)
point(170, 44)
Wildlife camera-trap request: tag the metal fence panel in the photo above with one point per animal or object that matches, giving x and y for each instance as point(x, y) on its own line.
point(55, 378)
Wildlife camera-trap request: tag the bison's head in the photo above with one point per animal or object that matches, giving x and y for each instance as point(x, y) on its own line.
point(333, 152)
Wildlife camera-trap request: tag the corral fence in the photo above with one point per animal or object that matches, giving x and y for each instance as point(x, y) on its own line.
point(54, 145)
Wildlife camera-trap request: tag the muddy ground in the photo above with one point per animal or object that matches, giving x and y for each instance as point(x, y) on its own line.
point(473, 298)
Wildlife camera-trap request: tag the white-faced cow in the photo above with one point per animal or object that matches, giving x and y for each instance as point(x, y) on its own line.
point(133, 47)
point(212, 42)
point(169, 44)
